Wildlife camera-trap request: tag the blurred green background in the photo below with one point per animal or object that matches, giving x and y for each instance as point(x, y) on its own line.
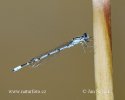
point(31, 27)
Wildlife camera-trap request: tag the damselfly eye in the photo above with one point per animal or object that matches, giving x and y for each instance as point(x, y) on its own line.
point(85, 35)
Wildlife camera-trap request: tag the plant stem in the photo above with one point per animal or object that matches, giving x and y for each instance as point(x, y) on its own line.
point(102, 49)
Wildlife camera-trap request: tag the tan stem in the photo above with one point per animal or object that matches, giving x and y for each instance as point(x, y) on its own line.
point(102, 49)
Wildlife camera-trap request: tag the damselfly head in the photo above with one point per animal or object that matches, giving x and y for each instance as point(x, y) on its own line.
point(86, 37)
point(86, 41)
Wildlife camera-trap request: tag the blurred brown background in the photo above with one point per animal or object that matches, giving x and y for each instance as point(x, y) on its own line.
point(31, 27)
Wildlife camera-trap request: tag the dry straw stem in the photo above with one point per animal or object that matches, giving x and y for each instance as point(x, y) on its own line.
point(102, 49)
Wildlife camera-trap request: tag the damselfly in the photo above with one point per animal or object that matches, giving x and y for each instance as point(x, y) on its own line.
point(37, 60)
